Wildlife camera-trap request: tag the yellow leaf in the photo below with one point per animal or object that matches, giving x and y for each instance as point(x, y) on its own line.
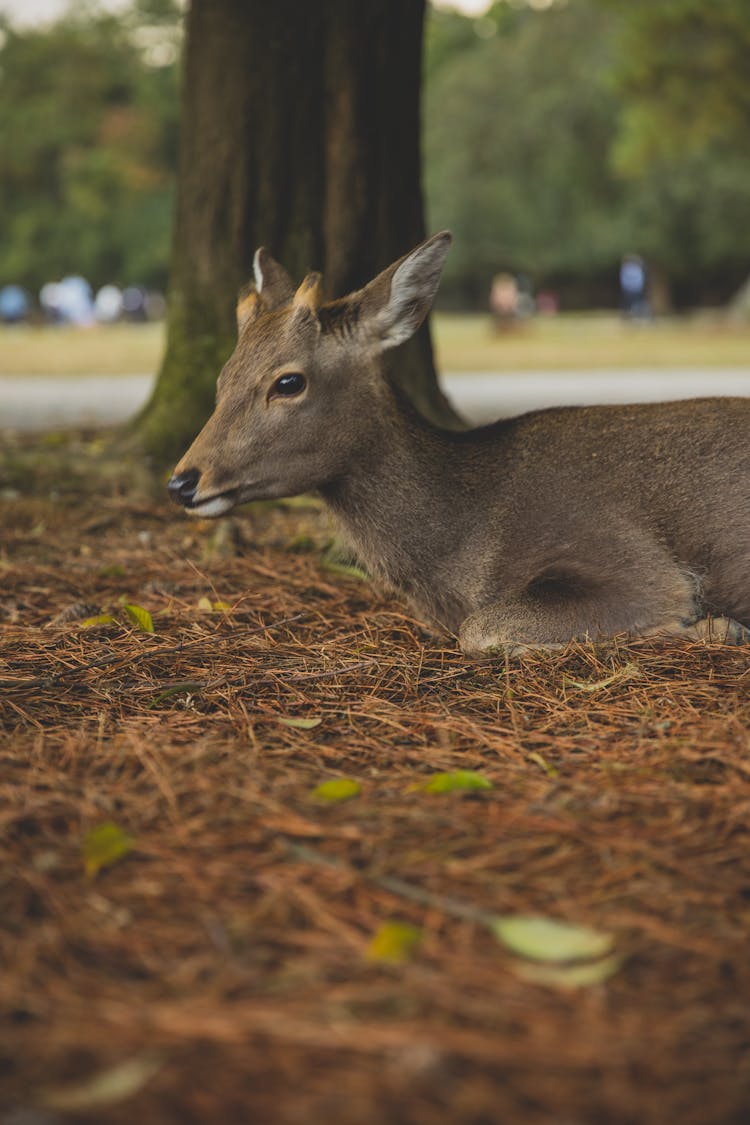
point(140, 617)
point(97, 620)
point(337, 789)
point(394, 942)
point(301, 724)
point(546, 939)
point(454, 781)
point(582, 974)
point(207, 606)
point(104, 845)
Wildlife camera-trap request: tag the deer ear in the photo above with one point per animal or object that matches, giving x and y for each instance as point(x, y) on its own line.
point(272, 281)
point(394, 305)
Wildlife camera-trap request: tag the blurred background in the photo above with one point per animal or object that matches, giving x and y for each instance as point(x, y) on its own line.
point(592, 159)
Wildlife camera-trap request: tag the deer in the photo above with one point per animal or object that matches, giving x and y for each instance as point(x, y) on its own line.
point(568, 524)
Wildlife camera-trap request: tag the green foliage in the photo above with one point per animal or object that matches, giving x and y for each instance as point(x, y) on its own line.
point(88, 141)
point(557, 140)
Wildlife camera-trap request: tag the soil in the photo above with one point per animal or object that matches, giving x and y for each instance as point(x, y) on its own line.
point(218, 963)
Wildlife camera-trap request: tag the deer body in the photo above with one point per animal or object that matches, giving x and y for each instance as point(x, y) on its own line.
point(559, 524)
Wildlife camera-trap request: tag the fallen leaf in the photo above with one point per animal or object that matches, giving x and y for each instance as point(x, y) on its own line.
point(337, 789)
point(580, 975)
point(98, 620)
point(454, 781)
point(546, 939)
point(104, 845)
point(186, 686)
point(108, 1086)
point(346, 570)
point(394, 942)
point(112, 570)
point(627, 672)
point(140, 617)
point(535, 756)
point(301, 724)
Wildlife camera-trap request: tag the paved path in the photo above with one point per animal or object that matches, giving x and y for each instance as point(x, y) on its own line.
point(38, 403)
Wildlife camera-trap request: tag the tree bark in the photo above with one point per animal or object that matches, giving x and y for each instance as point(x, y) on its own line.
point(300, 132)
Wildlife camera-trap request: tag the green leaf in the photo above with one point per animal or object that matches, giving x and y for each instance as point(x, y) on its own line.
point(394, 942)
point(186, 686)
point(545, 939)
point(140, 617)
point(112, 570)
point(542, 762)
point(108, 1086)
point(98, 620)
point(455, 781)
point(104, 845)
point(583, 974)
point(346, 570)
point(337, 789)
point(301, 724)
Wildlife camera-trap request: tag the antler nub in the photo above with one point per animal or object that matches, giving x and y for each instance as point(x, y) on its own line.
point(309, 296)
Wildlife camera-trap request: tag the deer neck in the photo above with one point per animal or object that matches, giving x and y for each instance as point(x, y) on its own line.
point(394, 502)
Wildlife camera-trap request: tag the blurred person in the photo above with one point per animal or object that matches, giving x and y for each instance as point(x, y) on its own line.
point(76, 302)
point(504, 300)
point(49, 299)
point(108, 304)
point(14, 304)
point(134, 303)
point(633, 283)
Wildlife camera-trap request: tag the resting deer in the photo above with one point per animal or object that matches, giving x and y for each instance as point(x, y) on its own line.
point(562, 524)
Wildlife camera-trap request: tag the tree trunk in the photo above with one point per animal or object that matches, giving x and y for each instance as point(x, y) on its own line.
point(300, 132)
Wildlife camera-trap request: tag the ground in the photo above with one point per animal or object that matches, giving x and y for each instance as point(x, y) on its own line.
point(218, 963)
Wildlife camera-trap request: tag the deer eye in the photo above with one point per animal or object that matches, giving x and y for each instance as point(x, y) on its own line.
point(286, 386)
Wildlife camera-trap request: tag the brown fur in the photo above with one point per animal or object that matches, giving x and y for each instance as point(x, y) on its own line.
point(559, 524)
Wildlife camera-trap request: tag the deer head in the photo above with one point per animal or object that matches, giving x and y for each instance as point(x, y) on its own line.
point(299, 395)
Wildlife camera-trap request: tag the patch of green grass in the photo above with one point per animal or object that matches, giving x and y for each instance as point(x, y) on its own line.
point(117, 349)
point(464, 342)
point(571, 342)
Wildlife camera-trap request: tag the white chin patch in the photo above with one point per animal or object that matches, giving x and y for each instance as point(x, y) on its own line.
point(216, 507)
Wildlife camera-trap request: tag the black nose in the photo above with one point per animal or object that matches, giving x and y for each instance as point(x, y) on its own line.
point(183, 487)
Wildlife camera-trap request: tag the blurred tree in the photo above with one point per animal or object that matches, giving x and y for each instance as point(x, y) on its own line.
point(683, 142)
point(552, 146)
point(300, 132)
point(88, 124)
point(683, 72)
point(518, 123)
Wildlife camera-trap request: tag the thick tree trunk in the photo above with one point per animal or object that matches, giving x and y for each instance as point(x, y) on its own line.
point(300, 133)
